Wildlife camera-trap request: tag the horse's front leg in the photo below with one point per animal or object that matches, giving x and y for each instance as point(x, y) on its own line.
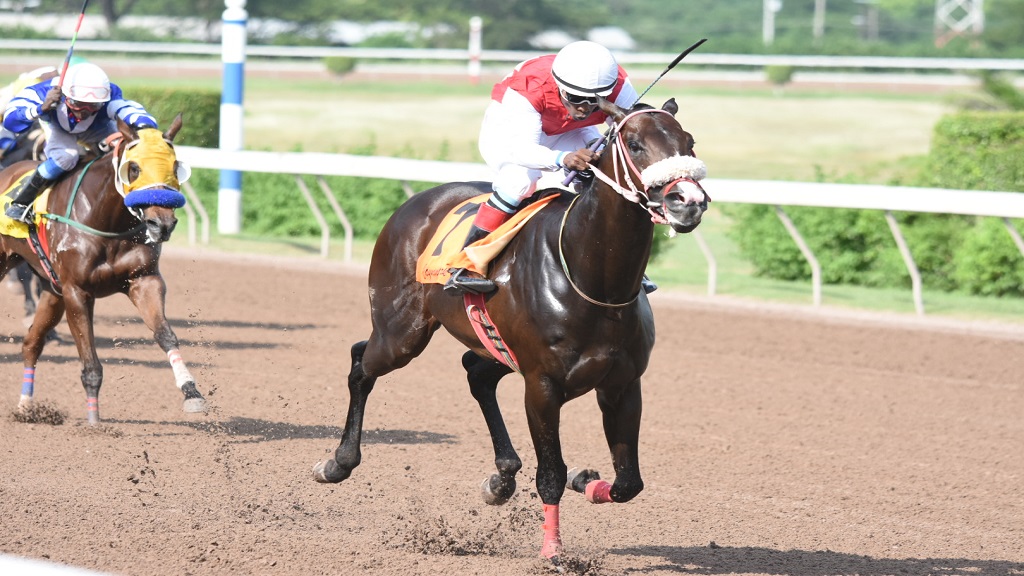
point(80, 308)
point(483, 376)
point(621, 419)
point(148, 294)
point(48, 314)
point(543, 414)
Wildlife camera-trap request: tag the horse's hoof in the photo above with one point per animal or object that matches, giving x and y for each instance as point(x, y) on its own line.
point(578, 478)
point(24, 404)
point(328, 472)
point(490, 496)
point(194, 405)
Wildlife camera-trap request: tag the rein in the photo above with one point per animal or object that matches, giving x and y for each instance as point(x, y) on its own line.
point(565, 267)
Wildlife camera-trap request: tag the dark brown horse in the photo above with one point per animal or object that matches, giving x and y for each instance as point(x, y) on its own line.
point(585, 325)
point(104, 225)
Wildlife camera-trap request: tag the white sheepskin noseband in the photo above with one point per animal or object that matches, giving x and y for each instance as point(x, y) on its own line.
point(673, 168)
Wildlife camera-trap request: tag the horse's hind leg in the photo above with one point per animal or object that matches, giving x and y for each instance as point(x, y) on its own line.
point(385, 351)
point(348, 454)
point(48, 313)
point(483, 376)
point(148, 293)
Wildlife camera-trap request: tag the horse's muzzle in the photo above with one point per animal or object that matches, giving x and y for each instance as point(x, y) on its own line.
point(160, 223)
point(684, 204)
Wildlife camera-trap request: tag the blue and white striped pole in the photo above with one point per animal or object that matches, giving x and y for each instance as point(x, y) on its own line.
point(233, 37)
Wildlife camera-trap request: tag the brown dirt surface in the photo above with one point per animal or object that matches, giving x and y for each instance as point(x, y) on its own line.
point(774, 441)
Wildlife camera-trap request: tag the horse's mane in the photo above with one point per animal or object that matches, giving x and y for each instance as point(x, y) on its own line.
point(640, 106)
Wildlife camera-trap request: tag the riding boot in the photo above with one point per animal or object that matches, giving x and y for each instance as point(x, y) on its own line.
point(21, 203)
point(463, 280)
point(648, 285)
point(487, 219)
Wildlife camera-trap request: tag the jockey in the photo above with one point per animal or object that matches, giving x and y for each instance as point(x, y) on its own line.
point(7, 138)
point(82, 110)
point(541, 118)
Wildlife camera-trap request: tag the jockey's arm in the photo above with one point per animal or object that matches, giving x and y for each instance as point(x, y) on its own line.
point(128, 110)
point(23, 109)
point(522, 128)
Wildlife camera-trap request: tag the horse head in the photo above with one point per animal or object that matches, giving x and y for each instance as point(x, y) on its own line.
point(149, 176)
point(651, 162)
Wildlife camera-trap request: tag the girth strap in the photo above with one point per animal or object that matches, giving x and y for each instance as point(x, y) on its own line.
point(40, 251)
point(487, 332)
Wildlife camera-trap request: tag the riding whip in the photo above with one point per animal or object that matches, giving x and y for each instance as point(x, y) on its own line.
point(600, 142)
point(71, 49)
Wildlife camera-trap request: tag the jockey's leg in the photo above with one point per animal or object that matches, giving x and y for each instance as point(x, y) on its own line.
point(30, 188)
point(61, 156)
point(498, 208)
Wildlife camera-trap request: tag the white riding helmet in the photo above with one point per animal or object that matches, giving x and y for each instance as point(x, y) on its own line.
point(585, 68)
point(86, 82)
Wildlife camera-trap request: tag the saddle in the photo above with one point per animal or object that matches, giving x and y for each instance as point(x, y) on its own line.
point(445, 252)
point(13, 228)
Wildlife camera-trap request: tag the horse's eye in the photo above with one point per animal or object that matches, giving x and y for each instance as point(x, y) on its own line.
point(635, 146)
point(133, 171)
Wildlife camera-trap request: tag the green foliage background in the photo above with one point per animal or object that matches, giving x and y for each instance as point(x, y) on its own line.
point(970, 151)
point(905, 27)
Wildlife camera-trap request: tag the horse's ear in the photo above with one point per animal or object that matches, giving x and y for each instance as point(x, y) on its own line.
point(129, 133)
point(609, 108)
point(670, 106)
point(173, 130)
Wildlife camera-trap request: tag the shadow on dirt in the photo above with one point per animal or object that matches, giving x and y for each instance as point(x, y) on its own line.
point(716, 559)
point(251, 430)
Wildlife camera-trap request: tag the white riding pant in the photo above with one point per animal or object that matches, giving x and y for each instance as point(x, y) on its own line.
point(514, 182)
point(62, 146)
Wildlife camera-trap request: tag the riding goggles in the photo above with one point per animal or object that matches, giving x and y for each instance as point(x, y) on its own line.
point(577, 100)
point(78, 106)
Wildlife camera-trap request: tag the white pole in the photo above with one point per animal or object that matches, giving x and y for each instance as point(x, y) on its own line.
point(770, 7)
point(233, 38)
point(819, 20)
point(475, 47)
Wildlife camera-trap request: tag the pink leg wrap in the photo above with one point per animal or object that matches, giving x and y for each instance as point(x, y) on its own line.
point(552, 538)
point(599, 491)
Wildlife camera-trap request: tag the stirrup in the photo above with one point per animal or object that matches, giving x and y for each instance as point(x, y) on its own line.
point(19, 212)
point(461, 281)
point(647, 285)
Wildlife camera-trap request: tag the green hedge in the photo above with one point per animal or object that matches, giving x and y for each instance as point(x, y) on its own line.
point(971, 150)
point(200, 110)
point(273, 205)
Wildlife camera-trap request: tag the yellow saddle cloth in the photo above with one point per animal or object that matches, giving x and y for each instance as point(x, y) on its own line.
point(444, 251)
point(11, 227)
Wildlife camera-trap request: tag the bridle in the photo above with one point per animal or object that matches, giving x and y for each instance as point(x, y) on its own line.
point(664, 173)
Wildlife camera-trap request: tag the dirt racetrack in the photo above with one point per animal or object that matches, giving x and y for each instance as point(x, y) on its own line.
point(774, 441)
